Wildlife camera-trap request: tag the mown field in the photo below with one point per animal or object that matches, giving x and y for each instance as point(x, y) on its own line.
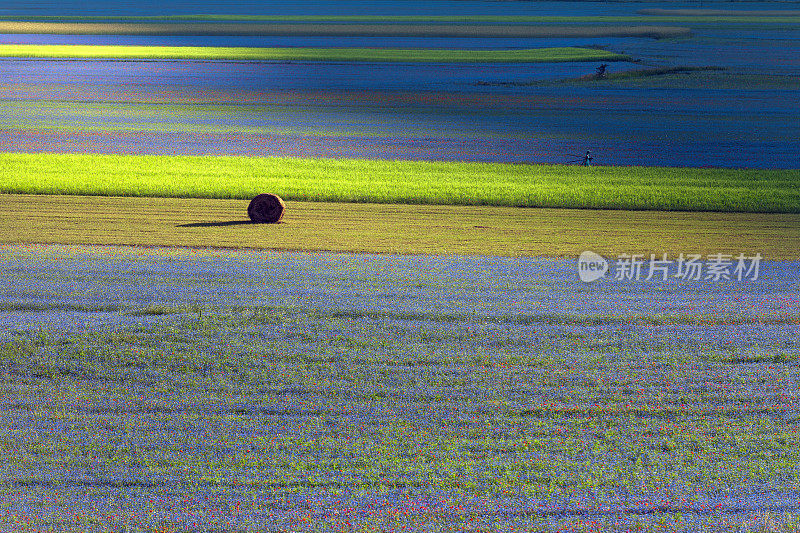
point(394, 228)
point(404, 182)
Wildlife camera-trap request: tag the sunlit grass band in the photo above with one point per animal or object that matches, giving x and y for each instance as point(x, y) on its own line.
point(343, 29)
point(404, 182)
point(535, 55)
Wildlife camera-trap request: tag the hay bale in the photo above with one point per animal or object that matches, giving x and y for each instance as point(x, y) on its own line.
point(266, 208)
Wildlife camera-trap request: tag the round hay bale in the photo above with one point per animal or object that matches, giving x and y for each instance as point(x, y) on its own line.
point(266, 208)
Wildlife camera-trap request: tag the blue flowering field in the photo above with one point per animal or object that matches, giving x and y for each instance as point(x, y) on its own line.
point(166, 389)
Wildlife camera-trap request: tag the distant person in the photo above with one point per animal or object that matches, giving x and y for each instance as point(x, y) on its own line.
point(601, 71)
point(587, 159)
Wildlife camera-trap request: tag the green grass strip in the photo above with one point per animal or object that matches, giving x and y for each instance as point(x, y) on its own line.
point(535, 55)
point(404, 182)
point(343, 29)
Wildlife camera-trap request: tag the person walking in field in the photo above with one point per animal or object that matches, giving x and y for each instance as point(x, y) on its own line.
point(583, 160)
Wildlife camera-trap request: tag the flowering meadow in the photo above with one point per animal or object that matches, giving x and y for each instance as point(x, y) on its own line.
point(223, 390)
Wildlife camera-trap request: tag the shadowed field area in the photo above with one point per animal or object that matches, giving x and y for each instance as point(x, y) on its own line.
point(651, 15)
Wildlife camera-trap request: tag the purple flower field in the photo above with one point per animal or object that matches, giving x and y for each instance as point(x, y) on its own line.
point(335, 392)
